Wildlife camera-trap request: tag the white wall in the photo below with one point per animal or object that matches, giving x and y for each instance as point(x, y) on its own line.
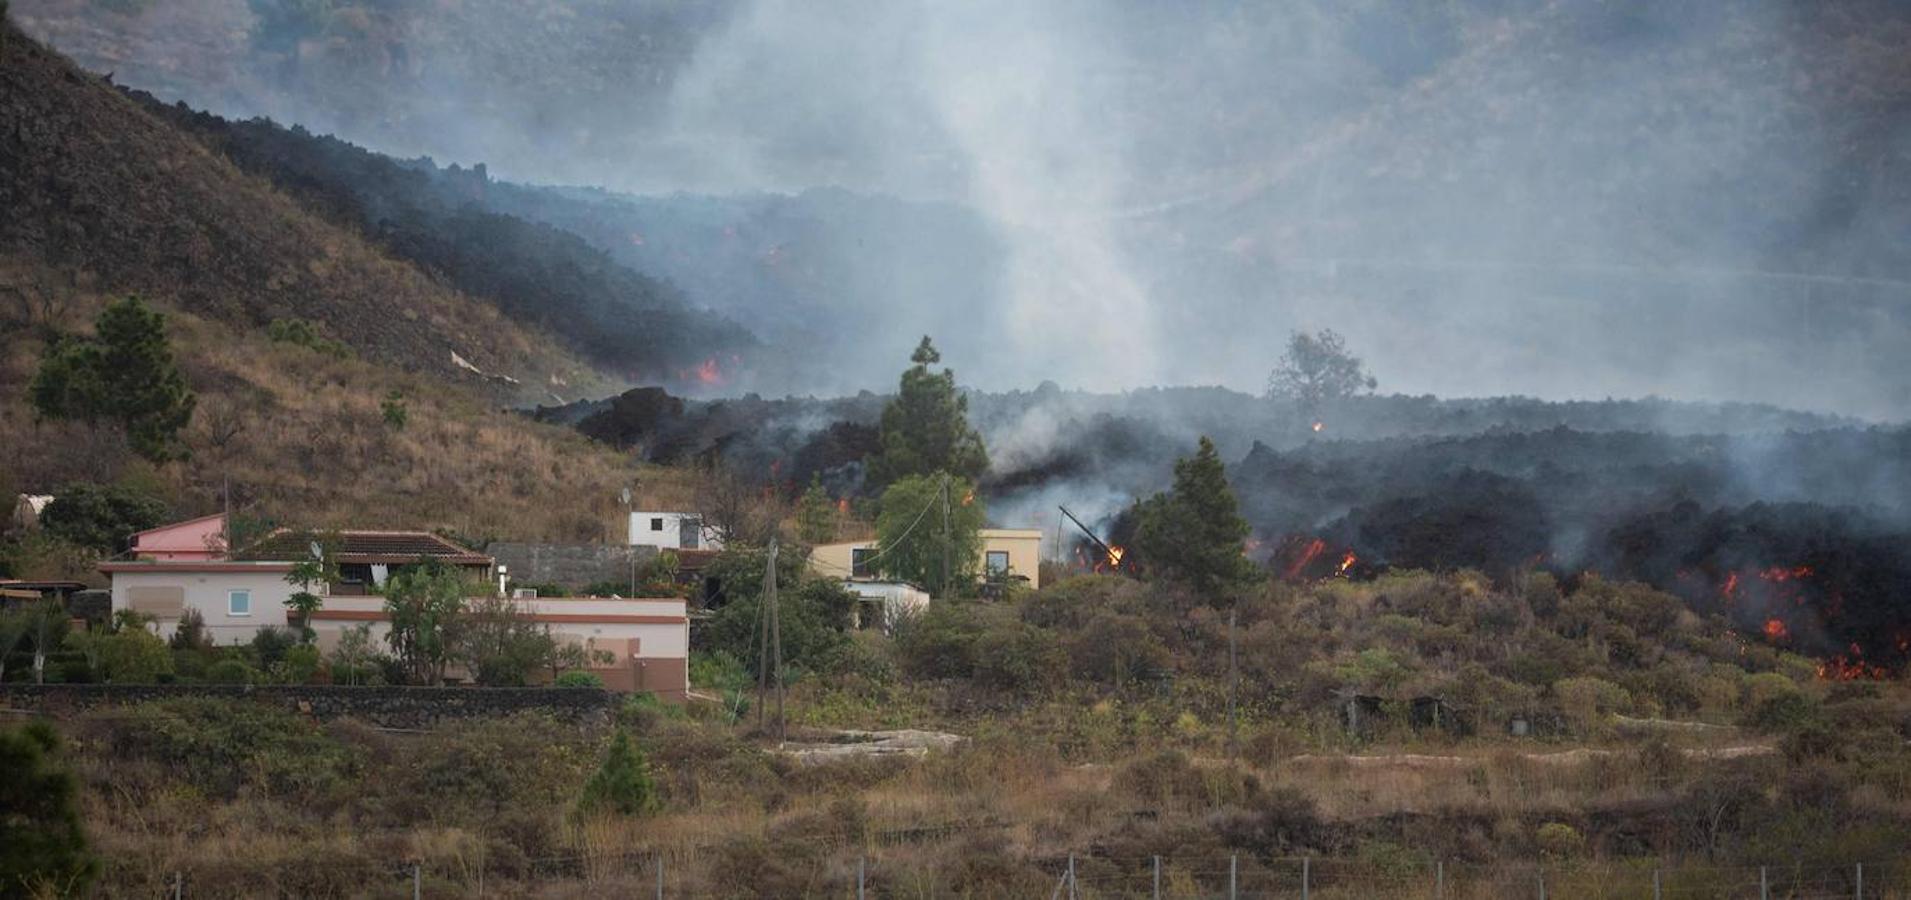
point(206, 592)
point(670, 536)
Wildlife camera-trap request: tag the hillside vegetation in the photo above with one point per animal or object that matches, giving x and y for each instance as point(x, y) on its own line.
point(295, 334)
point(1098, 722)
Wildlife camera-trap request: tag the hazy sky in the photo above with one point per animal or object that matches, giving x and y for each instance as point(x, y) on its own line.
point(1702, 201)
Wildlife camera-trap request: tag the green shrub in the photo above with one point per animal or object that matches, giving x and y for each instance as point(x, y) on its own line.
point(219, 746)
point(42, 846)
point(622, 784)
point(302, 333)
point(232, 671)
point(579, 680)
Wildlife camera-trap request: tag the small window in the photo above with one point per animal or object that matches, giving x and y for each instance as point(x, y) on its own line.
point(859, 563)
point(997, 562)
point(657, 524)
point(238, 603)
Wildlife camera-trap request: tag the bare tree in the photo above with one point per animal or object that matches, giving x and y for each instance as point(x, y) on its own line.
point(738, 509)
point(1317, 369)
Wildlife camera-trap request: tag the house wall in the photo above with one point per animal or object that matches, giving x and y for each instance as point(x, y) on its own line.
point(206, 591)
point(649, 638)
point(196, 539)
point(670, 535)
point(833, 560)
point(1024, 547)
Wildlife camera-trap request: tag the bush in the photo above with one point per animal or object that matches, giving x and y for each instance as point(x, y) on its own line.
point(232, 671)
point(579, 680)
point(42, 846)
point(102, 517)
point(1557, 839)
point(1012, 656)
point(622, 784)
point(219, 746)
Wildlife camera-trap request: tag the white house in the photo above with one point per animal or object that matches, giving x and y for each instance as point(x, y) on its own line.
point(882, 603)
point(236, 598)
point(672, 531)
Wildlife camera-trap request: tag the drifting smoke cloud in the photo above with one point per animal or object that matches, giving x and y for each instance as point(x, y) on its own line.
point(1567, 200)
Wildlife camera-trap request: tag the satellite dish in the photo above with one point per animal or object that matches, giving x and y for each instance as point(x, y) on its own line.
point(318, 552)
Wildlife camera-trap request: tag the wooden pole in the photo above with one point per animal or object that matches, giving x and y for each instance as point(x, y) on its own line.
point(763, 649)
point(776, 641)
point(1157, 891)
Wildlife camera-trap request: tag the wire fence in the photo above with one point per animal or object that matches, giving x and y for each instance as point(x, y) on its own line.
point(641, 874)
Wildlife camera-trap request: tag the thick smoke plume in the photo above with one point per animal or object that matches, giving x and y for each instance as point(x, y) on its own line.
point(1570, 200)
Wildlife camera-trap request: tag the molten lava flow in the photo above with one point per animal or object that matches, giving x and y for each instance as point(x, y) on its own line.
point(1775, 630)
point(1851, 667)
point(1781, 574)
point(1318, 426)
point(1312, 551)
point(1346, 562)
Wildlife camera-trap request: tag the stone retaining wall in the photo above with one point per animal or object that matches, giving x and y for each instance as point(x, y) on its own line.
point(388, 707)
point(576, 565)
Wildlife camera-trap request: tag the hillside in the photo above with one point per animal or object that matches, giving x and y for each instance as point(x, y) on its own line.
point(106, 199)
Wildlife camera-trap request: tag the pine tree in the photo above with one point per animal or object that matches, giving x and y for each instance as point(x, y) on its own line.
point(42, 846)
point(816, 515)
point(1195, 533)
point(926, 428)
point(622, 784)
point(125, 374)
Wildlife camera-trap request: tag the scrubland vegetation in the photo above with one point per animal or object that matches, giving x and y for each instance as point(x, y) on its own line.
point(1097, 722)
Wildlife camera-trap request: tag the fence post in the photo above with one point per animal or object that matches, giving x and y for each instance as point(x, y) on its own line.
point(1656, 890)
point(1861, 882)
point(1540, 875)
point(1439, 879)
point(1071, 876)
point(417, 882)
point(1764, 890)
point(660, 876)
point(1306, 875)
point(179, 884)
point(862, 866)
point(1234, 889)
point(1157, 892)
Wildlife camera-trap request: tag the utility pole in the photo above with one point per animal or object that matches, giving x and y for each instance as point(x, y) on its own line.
point(776, 642)
point(763, 645)
point(945, 535)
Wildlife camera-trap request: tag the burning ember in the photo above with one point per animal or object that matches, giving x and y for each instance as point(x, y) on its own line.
point(1851, 667)
point(1776, 631)
point(1346, 562)
point(707, 372)
point(1115, 553)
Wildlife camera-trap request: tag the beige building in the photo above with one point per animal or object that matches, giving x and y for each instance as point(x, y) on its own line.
point(1016, 552)
point(648, 641)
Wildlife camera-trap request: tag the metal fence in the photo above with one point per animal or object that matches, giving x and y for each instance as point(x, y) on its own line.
point(1087, 877)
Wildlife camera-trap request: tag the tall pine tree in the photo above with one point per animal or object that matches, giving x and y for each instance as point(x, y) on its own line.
point(42, 846)
point(926, 428)
point(1195, 533)
point(124, 374)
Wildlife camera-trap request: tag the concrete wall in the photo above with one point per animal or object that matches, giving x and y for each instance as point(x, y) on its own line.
point(1024, 547)
point(207, 591)
point(648, 639)
point(576, 565)
point(666, 530)
point(388, 707)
